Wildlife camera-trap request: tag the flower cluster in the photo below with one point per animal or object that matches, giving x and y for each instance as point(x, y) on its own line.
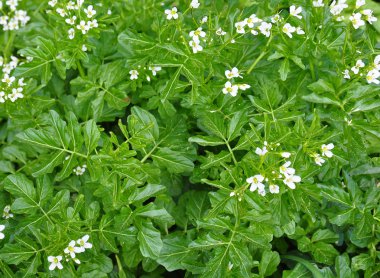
point(79, 171)
point(325, 151)
point(134, 74)
point(372, 71)
point(284, 173)
point(10, 87)
point(195, 39)
point(357, 17)
point(7, 212)
point(74, 247)
point(78, 17)
point(257, 25)
point(12, 18)
point(231, 89)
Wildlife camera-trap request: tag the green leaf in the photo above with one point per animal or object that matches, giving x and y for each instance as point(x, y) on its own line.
point(174, 252)
point(19, 185)
point(150, 239)
point(91, 135)
point(321, 86)
point(324, 253)
point(18, 252)
point(362, 262)
point(173, 161)
point(170, 86)
point(284, 69)
point(269, 262)
point(206, 140)
point(325, 235)
point(342, 266)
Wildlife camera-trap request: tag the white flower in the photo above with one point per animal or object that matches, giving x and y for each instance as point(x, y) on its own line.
point(70, 5)
point(299, 31)
point(194, 4)
point(295, 11)
point(80, 3)
point(368, 15)
point(288, 30)
point(72, 249)
point(171, 13)
point(195, 45)
point(2, 227)
point(356, 20)
point(286, 154)
point(7, 209)
point(290, 180)
point(71, 20)
point(61, 12)
point(55, 262)
point(256, 182)
point(318, 3)
point(346, 74)
point(134, 74)
point(52, 3)
point(3, 97)
point(83, 27)
point(326, 150)
point(234, 72)
point(154, 70)
point(359, 64)
point(232, 194)
point(12, 4)
point(372, 76)
point(92, 24)
point(71, 33)
point(359, 3)
point(261, 152)
point(337, 7)
point(80, 170)
point(230, 89)
point(265, 28)
point(83, 244)
point(16, 94)
point(204, 19)
point(376, 62)
point(244, 87)
point(197, 33)
point(220, 32)
point(240, 27)
point(318, 159)
point(90, 12)
point(285, 169)
point(276, 18)
point(274, 189)
point(250, 21)
point(84, 47)
point(109, 12)
point(8, 79)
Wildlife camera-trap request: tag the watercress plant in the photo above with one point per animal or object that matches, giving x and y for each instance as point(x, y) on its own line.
point(189, 138)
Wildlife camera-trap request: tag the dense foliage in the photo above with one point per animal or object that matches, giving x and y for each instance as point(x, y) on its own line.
point(185, 138)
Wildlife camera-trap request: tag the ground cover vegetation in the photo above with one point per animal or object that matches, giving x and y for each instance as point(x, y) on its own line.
point(189, 138)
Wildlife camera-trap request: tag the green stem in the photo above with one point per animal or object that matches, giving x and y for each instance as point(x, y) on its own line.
point(7, 49)
point(232, 153)
point(80, 68)
point(263, 53)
